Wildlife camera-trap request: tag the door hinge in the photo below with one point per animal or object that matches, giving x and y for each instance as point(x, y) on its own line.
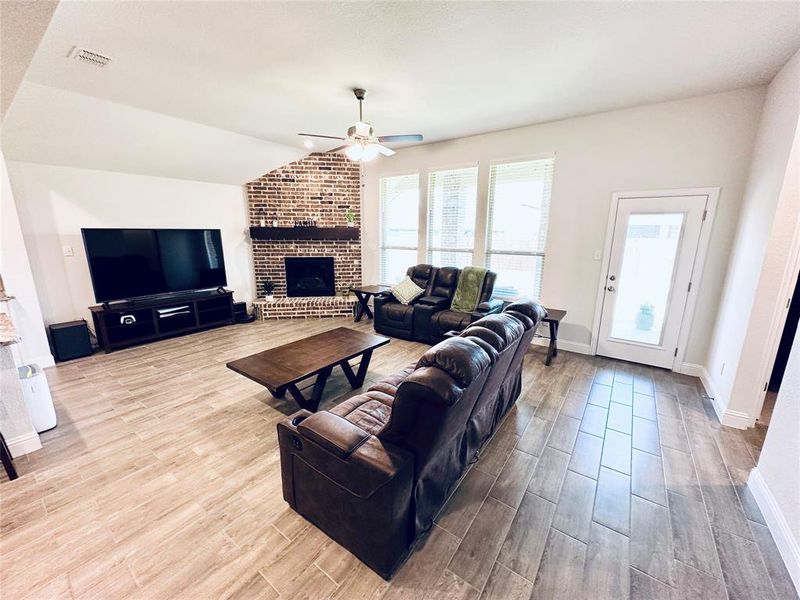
point(705, 214)
point(676, 352)
point(690, 287)
point(788, 302)
point(765, 386)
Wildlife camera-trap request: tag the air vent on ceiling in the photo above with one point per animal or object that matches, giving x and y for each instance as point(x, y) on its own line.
point(90, 58)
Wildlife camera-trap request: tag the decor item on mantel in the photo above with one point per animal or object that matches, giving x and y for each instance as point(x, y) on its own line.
point(350, 216)
point(268, 286)
point(361, 142)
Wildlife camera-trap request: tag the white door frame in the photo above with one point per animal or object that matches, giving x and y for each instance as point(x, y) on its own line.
point(775, 329)
point(712, 193)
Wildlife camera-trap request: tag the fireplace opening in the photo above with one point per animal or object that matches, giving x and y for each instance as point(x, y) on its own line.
point(309, 276)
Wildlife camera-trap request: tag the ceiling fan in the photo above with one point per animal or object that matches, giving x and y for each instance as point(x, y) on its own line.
point(361, 143)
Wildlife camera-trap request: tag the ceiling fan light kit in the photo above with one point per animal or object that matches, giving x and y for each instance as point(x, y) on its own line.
point(361, 143)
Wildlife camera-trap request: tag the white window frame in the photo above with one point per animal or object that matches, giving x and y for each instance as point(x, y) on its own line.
point(429, 250)
point(381, 246)
point(488, 251)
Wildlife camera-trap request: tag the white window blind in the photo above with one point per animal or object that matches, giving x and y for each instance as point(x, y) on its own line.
point(399, 197)
point(516, 232)
point(452, 201)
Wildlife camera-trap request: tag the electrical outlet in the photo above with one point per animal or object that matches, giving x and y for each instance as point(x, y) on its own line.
point(67, 251)
point(597, 255)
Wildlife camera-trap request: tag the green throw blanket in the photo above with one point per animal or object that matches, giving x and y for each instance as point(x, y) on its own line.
point(468, 291)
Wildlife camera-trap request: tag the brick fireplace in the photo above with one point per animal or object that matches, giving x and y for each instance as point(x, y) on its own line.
point(320, 187)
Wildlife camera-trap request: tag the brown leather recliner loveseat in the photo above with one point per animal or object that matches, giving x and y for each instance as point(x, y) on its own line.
point(374, 471)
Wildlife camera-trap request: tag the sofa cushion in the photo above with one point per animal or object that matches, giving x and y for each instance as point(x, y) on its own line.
point(369, 411)
point(461, 358)
point(407, 291)
point(389, 384)
point(398, 314)
point(421, 275)
point(449, 320)
point(487, 335)
point(533, 310)
point(444, 282)
point(506, 326)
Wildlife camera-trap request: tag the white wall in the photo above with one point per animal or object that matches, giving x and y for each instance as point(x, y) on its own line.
point(776, 480)
point(15, 268)
point(699, 142)
point(56, 202)
point(763, 237)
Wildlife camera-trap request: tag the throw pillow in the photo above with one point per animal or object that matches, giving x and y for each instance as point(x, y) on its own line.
point(406, 291)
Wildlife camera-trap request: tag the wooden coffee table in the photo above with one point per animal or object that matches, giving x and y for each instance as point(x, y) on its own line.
point(281, 369)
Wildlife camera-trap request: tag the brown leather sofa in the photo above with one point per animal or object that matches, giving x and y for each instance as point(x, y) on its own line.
point(429, 317)
point(374, 471)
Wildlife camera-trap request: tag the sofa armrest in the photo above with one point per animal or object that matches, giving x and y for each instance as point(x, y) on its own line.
point(435, 302)
point(382, 299)
point(337, 435)
point(490, 307)
point(345, 454)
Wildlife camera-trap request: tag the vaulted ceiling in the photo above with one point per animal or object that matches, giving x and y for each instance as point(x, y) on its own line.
point(218, 90)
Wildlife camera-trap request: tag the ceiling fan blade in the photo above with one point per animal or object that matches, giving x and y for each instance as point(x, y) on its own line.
point(318, 135)
point(337, 149)
point(384, 150)
point(412, 137)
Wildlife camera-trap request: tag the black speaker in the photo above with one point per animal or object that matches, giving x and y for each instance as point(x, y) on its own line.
point(240, 313)
point(70, 340)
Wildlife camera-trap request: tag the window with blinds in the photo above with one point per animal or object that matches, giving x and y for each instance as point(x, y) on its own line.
point(399, 198)
point(452, 201)
point(516, 231)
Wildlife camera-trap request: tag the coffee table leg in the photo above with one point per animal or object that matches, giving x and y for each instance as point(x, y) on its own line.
point(362, 308)
point(316, 394)
point(357, 379)
point(552, 349)
point(279, 392)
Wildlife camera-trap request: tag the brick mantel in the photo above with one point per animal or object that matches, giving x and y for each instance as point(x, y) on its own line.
point(319, 187)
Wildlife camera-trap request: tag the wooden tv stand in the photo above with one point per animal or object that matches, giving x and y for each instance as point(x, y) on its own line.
point(159, 318)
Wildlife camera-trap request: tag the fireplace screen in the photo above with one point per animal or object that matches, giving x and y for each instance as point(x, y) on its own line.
point(309, 276)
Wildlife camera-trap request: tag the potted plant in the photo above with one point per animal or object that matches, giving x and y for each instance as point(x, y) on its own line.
point(350, 216)
point(645, 317)
point(268, 287)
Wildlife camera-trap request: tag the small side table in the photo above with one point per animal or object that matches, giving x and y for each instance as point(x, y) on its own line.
point(364, 293)
point(553, 319)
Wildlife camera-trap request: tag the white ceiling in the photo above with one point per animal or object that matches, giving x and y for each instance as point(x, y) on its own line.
point(444, 69)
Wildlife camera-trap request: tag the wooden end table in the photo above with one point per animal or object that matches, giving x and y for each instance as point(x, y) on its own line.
point(281, 369)
point(553, 319)
point(364, 293)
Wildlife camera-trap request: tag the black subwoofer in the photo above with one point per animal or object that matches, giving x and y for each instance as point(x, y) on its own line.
point(70, 340)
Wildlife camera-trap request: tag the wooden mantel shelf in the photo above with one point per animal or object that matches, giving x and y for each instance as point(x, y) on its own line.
point(305, 233)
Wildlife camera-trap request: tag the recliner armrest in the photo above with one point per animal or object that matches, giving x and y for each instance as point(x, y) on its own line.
point(490, 307)
point(337, 435)
point(436, 302)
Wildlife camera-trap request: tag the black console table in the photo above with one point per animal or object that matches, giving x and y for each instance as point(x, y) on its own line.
point(123, 324)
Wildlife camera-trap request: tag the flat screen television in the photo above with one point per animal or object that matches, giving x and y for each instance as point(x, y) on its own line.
point(130, 263)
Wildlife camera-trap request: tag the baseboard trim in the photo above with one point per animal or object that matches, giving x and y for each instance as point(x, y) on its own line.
point(730, 418)
point(566, 345)
point(24, 444)
point(788, 546)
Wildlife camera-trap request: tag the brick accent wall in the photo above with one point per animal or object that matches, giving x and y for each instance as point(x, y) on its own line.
point(320, 187)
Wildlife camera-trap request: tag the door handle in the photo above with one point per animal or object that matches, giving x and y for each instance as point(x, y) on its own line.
point(612, 278)
point(611, 288)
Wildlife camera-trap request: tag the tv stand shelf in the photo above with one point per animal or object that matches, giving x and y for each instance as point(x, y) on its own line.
point(160, 317)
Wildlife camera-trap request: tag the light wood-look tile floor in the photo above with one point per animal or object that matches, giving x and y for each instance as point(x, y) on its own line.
point(607, 480)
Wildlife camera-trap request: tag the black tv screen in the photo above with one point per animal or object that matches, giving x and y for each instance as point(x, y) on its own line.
point(128, 263)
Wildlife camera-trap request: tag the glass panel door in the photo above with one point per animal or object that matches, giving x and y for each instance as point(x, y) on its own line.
point(645, 279)
point(646, 287)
